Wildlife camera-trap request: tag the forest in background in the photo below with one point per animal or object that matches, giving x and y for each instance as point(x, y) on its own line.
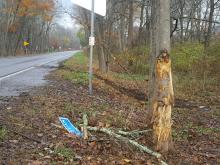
point(34, 22)
point(124, 35)
point(136, 101)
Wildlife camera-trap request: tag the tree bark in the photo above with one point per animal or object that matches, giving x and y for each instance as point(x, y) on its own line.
point(209, 31)
point(130, 23)
point(100, 45)
point(182, 4)
point(140, 31)
point(160, 87)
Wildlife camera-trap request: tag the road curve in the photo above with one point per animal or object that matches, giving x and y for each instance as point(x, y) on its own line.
point(20, 74)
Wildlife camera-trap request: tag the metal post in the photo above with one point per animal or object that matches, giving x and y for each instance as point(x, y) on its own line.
point(26, 50)
point(91, 48)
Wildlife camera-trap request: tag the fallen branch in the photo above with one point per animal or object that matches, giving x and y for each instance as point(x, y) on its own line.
point(125, 139)
point(58, 126)
point(133, 133)
point(132, 142)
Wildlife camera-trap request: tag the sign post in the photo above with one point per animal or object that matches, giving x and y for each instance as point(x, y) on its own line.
point(25, 43)
point(98, 7)
point(91, 43)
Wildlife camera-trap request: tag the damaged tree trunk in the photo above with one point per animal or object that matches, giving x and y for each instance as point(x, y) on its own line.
point(160, 84)
point(163, 99)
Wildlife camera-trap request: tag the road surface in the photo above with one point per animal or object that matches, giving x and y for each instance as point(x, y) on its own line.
point(20, 74)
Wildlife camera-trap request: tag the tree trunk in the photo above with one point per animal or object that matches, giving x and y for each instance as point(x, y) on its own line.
point(140, 31)
point(121, 35)
point(160, 87)
point(100, 45)
point(209, 31)
point(182, 4)
point(130, 23)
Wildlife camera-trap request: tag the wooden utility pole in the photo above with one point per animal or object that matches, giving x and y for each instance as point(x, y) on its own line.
point(160, 87)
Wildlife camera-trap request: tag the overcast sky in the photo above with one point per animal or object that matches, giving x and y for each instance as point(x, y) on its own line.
point(65, 20)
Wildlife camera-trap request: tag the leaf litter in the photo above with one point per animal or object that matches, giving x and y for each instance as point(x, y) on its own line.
point(114, 104)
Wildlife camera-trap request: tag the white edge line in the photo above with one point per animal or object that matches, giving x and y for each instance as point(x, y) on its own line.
point(16, 73)
point(27, 69)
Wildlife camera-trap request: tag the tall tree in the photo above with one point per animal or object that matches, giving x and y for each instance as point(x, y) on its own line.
point(210, 24)
point(160, 87)
point(130, 23)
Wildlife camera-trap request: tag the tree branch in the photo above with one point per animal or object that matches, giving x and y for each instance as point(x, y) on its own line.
point(198, 19)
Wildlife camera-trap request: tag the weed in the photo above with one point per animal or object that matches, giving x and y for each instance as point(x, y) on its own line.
point(180, 135)
point(68, 107)
point(204, 130)
point(125, 76)
point(75, 77)
point(116, 120)
point(100, 107)
point(3, 133)
point(184, 133)
point(74, 69)
point(217, 112)
point(78, 59)
point(34, 110)
point(65, 152)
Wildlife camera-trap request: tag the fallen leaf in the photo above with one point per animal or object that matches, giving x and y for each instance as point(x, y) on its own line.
point(100, 124)
point(36, 162)
point(127, 160)
point(40, 135)
point(13, 141)
point(47, 157)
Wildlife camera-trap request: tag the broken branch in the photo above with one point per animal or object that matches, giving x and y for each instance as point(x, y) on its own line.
point(132, 142)
point(85, 124)
point(133, 133)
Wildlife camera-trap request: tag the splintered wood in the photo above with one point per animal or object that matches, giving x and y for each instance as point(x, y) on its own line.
point(163, 100)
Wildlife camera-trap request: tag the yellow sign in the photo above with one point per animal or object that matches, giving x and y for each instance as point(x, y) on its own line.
point(26, 43)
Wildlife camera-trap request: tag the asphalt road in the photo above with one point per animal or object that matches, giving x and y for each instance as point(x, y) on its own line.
point(20, 74)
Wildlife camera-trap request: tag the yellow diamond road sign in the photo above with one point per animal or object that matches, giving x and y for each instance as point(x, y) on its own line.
point(26, 43)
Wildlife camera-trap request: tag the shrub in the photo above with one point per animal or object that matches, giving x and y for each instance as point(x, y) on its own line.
point(135, 60)
point(185, 56)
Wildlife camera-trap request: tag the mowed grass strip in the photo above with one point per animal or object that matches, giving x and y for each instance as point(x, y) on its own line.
point(75, 69)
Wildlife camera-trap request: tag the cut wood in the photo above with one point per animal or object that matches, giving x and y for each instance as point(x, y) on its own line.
point(85, 124)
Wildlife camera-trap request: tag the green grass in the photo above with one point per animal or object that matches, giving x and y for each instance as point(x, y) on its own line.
point(217, 111)
point(126, 76)
point(65, 152)
point(78, 59)
point(3, 133)
point(204, 130)
point(184, 133)
point(77, 77)
point(74, 69)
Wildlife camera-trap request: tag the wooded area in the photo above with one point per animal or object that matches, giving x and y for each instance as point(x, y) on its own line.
point(156, 90)
point(139, 35)
point(32, 21)
point(127, 24)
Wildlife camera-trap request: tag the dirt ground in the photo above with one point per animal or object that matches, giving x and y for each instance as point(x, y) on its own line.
point(32, 136)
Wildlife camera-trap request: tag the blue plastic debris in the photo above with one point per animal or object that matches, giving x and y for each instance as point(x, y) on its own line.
point(70, 127)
